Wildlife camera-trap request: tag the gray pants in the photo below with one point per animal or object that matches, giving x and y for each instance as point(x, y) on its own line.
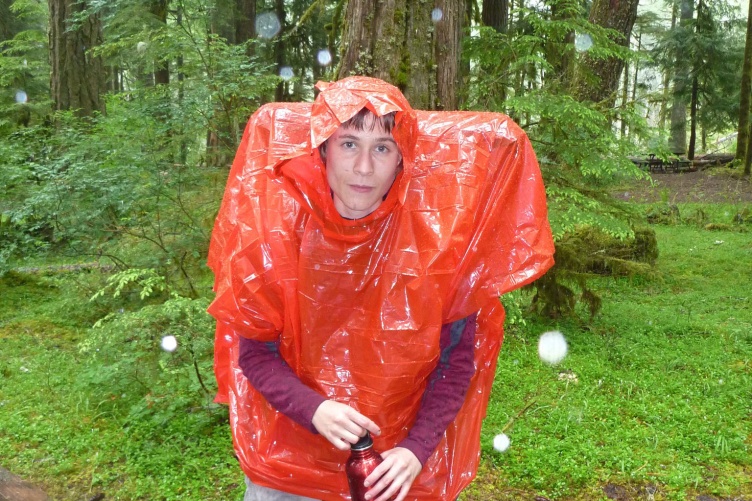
point(258, 493)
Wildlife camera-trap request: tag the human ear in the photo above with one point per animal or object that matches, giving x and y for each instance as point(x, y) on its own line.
point(322, 151)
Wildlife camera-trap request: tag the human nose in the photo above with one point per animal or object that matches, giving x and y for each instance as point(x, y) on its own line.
point(363, 164)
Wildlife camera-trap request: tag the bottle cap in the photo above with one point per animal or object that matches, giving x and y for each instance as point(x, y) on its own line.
point(363, 443)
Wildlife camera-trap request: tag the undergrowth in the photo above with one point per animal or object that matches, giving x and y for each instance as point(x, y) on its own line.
point(653, 397)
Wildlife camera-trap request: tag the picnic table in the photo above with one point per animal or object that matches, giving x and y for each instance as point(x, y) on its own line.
point(656, 164)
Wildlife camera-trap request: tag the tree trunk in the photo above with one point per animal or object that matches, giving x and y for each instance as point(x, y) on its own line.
point(678, 137)
point(636, 67)
point(161, 66)
point(395, 40)
point(447, 49)
point(559, 53)
point(9, 25)
point(624, 98)
point(496, 14)
point(183, 154)
point(692, 121)
point(77, 78)
point(245, 17)
point(745, 107)
point(748, 156)
point(667, 78)
point(618, 15)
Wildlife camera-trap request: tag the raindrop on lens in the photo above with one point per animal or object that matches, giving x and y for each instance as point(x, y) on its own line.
point(267, 25)
point(582, 42)
point(169, 343)
point(324, 57)
point(286, 73)
point(21, 97)
point(437, 15)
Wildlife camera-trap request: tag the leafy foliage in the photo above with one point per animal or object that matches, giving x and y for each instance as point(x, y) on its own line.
point(24, 67)
point(712, 44)
point(581, 156)
point(124, 359)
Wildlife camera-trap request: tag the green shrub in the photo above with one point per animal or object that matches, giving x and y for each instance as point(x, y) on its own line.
point(125, 360)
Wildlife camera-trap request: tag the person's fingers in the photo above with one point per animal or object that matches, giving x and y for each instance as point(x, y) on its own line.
point(394, 476)
point(341, 444)
point(387, 482)
point(389, 485)
point(403, 492)
point(364, 423)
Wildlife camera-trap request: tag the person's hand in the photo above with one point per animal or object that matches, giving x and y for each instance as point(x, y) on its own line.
point(341, 424)
point(394, 476)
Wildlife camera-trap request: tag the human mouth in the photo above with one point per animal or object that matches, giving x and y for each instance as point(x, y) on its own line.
point(360, 188)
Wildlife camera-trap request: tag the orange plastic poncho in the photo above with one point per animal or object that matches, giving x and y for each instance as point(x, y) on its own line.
point(357, 305)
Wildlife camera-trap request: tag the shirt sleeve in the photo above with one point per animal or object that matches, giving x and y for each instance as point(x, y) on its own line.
point(447, 386)
point(270, 375)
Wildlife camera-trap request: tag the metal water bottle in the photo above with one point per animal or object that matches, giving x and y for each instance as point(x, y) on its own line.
point(363, 460)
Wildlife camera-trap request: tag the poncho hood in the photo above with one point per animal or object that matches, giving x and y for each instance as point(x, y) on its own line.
point(304, 170)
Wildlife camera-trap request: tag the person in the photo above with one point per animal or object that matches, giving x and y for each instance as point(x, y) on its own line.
point(359, 254)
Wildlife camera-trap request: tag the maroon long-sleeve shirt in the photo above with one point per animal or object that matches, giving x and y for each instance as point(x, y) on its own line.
point(443, 397)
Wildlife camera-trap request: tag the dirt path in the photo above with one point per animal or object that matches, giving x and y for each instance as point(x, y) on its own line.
point(13, 488)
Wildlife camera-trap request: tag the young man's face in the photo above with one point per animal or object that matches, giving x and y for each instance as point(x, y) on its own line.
point(361, 166)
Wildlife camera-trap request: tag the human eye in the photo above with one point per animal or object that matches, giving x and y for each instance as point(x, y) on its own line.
point(383, 148)
point(348, 145)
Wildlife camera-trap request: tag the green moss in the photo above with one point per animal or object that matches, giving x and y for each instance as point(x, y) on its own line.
point(587, 252)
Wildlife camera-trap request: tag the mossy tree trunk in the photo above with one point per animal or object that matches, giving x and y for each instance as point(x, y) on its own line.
point(598, 79)
point(745, 107)
point(399, 41)
point(77, 78)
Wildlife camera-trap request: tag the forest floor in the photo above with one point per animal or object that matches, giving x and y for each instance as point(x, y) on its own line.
point(714, 185)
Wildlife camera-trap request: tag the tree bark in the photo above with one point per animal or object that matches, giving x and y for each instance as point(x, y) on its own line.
point(279, 47)
point(618, 15)
point(667, 78)
point(77, 78)
point(678, 135)
point(161, 66)
point(692, 121)
point(9, 25)
point(625, 97)
point(745, 107)
point(447, 51)
point(245, 17)
point(496, 14)
point(396, 40)
point(748, 156)
point(560, 53)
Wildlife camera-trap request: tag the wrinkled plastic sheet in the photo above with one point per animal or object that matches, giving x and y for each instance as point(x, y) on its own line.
point(357, 306)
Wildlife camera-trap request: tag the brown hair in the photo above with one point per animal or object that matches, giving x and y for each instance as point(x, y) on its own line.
point(358, 122)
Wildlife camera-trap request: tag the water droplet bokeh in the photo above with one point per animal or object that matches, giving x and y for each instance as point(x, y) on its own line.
point(286, 73)
point(582, 42)
point(267, 25)
point(324, 57)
